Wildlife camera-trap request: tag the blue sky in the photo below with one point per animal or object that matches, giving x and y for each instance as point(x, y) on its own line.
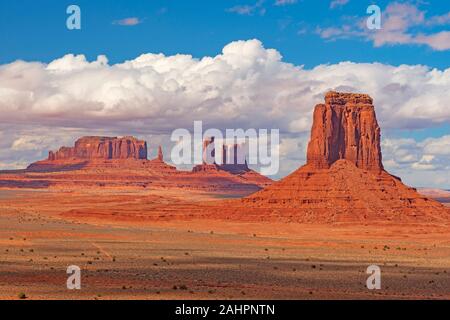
point(35, 30)
point(324, 45)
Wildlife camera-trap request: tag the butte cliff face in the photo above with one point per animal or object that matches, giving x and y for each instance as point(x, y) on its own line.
point(343, 179)
point(345, 127)
point(106, 148)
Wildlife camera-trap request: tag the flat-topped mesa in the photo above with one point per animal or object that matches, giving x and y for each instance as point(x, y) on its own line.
point(106, 148)
point(345, 127)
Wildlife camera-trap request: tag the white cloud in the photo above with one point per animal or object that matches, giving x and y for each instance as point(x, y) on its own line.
point(424, 163)
point(399, 18)
point(33, 143)
point(439, 20)
point(437, 146)
point(249, 9)
point(338, 3)
point(429, 154)
point(246, 86)
point(284, 2)
point(401, 24)
point(131, 21)
point(44, 106)
point(12, 165)
point(342, 32)
point(439, 41)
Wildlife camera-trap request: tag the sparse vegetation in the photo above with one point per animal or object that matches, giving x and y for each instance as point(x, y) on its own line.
point(22, 296)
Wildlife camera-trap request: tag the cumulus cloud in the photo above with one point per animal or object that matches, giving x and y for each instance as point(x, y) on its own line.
point(33, 142)
point(245, 86)
point(422, 163)
point(429, 154)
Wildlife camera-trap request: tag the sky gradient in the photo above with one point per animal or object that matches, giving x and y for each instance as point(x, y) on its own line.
point(35, 30)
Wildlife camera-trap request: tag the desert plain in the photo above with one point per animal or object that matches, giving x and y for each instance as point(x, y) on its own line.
point(128, 247)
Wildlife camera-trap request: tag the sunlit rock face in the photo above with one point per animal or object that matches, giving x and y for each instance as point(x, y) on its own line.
point(345, 127)
point(89, 148)
point(343, 179)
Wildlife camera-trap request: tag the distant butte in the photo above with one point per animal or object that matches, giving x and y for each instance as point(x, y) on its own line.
point(233, 162)
point(233, 158)
point(89, 148)
point(122, 162)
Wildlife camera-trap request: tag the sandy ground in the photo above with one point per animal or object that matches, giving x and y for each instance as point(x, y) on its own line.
point(125, 258)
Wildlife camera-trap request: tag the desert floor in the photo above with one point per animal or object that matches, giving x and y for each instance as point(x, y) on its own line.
point(126, 256)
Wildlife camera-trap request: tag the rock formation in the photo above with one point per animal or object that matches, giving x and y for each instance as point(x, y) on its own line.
point(122, 162)
point(233, 158)
point(106, 148)
point(160, 154)
point(345, 127)
point(343, 179)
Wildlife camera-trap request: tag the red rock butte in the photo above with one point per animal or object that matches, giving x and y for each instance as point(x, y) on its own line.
point(122, 162)
point(345, 127)
point(89, 148)
point(233, 159)
point(343, 179)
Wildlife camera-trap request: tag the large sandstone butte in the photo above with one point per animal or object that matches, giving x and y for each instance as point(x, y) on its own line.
point(345, 127)
point(89, 148)
point(343, 179)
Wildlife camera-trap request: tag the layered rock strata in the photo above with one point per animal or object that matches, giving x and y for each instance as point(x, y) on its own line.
point(343, 179)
